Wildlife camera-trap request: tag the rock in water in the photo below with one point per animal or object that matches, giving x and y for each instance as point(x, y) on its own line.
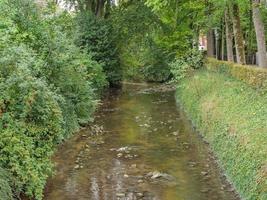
point(157, 175)
point(120, 195)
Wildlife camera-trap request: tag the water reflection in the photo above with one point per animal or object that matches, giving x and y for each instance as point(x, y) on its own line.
point(143, 133)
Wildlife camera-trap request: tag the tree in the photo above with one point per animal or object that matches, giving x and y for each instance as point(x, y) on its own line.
point(239, 41)
point(99, 8)
point(260, 33)
point(210, 43)
point(229, 36)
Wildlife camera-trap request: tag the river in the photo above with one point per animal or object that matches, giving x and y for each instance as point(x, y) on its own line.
point(141, 146)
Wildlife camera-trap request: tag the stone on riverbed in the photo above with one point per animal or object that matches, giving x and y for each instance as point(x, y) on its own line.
point(120, 195)
point(119, 155)
point(124, 149)
point(157, 174)
point(204, 173)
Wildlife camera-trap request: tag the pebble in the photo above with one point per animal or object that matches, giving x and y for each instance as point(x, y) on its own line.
point(140, 181)
point(204, 173)
point(192, 164)
point(204, 190)
point(119, 155)
point(231, 190)
point(120, 195)
point(139, 194)
point(133, 166)
point(175, 133)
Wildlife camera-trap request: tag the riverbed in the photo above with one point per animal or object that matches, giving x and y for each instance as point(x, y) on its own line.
point(140, 146)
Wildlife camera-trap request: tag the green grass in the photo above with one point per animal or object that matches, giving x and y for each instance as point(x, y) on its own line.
point(232, 117)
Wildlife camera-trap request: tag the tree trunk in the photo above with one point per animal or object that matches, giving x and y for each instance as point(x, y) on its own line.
point(100, 8)
point(260, 34)
point(210, 43)
point(229, 37)
point(222, 40)
point(217, 44)
point(240, 49)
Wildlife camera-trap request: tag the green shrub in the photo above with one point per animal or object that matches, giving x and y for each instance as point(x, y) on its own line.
point(48, 88)
point(232, 117)
point(5, 185)
point(30, 125)
point(156, 68)
point(95, 36)
point(72, 75)
point(194, 58)
point(179, 69)
point(252, 75)
point(182, 67)
point(66, 68)
point(156, 73)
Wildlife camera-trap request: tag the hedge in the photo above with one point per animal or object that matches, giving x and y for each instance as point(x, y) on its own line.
point(252, 75)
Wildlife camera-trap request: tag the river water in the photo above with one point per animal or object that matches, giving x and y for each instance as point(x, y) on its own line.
point(141, 146)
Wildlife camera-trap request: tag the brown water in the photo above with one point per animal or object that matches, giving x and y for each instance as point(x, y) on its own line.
point(141, 146)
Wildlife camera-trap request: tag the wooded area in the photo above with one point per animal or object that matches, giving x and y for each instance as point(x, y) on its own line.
point(58, 57)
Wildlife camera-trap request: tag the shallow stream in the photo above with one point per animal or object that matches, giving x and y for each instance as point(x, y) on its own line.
point(141, 146)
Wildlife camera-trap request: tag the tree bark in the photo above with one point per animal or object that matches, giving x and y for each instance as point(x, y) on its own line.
point(210, 43)
point(100, 8)
point(240, 49)
point(217, 44)
point(222, 40)
point(229, 37)
point(260, 34)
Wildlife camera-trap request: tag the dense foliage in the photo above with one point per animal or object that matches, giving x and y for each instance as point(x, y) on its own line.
point(54, 63)
point(5, 185)
point(183, 66)
point(137, 31)
point(47, 90)
point(96, 36)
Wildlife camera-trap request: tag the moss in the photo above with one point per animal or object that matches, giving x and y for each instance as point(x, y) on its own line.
point(232, 117)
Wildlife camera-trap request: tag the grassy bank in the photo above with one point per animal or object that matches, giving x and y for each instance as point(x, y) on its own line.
point(232, 116)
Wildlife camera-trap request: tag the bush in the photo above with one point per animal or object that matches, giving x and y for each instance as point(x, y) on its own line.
point(95, 36)
point(252, 75)
point(48, 88)
point(5, 185)
point(181, 67)
point(66, 69)
point(73, 75)
point(156, 68)
point(194, 58)
point(31, 121)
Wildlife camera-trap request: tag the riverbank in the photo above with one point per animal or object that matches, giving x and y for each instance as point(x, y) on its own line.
point(231, 115)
